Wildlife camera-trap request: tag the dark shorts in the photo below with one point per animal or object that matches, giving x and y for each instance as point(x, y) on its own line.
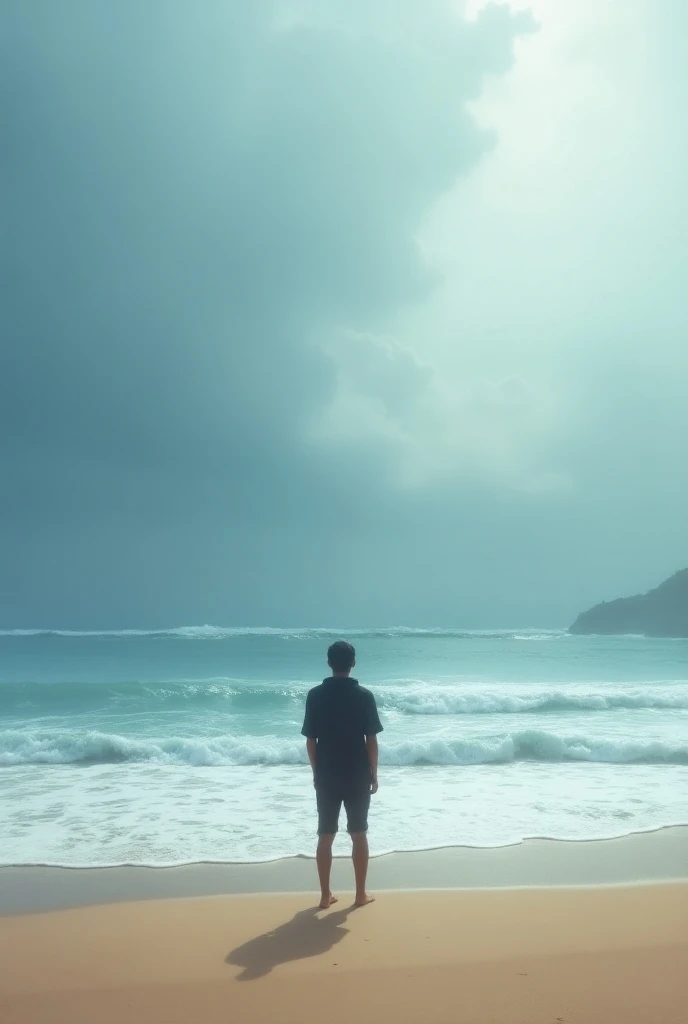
point(330, 797)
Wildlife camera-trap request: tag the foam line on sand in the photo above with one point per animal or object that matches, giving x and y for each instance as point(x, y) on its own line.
point(646, 857)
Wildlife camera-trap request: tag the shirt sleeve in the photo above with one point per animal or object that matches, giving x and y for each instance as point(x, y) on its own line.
point(309, 729)
point(372, 725)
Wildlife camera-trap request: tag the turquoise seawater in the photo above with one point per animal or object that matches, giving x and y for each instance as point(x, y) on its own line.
point(184, 745)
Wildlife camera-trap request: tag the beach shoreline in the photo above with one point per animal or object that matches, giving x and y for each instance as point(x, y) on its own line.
point(659, 856)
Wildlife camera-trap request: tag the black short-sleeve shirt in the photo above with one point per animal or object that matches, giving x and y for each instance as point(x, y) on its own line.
point(340, 714)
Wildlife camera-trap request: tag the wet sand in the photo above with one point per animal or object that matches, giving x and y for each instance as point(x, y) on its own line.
point(659, 856)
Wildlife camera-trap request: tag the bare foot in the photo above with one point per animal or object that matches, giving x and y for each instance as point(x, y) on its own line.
point(364, 900)
point(327, 901)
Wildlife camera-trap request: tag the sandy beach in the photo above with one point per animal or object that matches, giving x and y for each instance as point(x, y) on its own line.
point(531, 955)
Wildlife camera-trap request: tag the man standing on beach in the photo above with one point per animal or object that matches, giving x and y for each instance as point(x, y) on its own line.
point(341, 727)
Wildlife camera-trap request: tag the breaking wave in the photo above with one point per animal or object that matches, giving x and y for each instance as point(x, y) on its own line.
point(407, 697)
point(482, 703)
point(19, 747)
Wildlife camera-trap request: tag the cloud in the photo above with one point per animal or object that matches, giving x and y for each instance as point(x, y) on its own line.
point(366, 286)
point(190, 198)
point(190, 194)
point(432, 428)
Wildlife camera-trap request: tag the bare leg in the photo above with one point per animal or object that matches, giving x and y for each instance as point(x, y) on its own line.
point(360, 857)
point(324, 862)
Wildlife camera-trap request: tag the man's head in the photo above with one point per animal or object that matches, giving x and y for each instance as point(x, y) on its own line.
point(341, 657)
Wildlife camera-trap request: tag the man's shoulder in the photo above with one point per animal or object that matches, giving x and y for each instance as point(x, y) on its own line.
point(322, 691)
point(365, 692)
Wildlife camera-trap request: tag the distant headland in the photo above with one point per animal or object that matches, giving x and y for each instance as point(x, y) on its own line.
point(661, 612)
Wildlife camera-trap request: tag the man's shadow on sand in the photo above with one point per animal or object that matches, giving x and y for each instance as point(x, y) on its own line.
point(304, 936)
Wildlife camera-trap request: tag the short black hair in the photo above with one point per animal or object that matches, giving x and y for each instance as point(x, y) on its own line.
point(341, 656)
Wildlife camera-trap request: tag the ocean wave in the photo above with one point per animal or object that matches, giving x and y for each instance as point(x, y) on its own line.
point(81, 695)
point(408, 697)
point(485, 703)
point(183, 632)
point(208, 632)
point(55, 747)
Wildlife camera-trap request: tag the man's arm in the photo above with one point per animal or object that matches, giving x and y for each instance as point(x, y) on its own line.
point(312, 749)
point(372, 748)
point(310, 731)
point(373, 726)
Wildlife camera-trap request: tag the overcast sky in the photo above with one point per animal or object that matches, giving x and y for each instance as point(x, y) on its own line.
point(339, 312)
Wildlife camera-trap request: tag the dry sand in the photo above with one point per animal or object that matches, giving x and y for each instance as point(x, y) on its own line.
point(524, 956)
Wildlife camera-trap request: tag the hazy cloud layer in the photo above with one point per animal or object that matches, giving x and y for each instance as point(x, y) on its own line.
point(339, 312)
